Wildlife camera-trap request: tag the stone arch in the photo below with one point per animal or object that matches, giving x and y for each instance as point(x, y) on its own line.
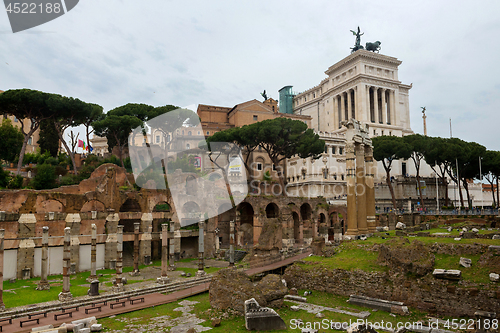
point(130, 205)
point(246, 223)
point(272, 210)
point(93, 205)
point(321, 218)
point(226, 214)
point(191, 185)
point(305, 211)
point(296, 226)
point(50, 205)
point(191, 213)
point(162, 206)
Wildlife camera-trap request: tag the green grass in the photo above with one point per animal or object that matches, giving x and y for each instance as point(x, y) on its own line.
point(475, 273)
point(349, 256)
point(236, 324)
point(194, 270)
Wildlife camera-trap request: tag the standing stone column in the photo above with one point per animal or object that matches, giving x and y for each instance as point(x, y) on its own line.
point(119, 260)
point(172, 246)
point(26, 250)
point(361, 188)
point(145, 238)
point(352, 225)
point(349, 105)
point(136, 249)
point(231, 243)
point(2, 236)
point(163, 279)
point(93, 255)
point(65, 295)
point(201, 249)
point(110, 255)
point(43, 284)
point(370, 189)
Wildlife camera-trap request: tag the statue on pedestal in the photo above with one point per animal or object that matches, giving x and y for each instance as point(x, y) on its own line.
point(357, 45)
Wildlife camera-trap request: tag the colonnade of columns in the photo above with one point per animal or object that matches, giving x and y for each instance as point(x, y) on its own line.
point(360, 183)
point(379, 103)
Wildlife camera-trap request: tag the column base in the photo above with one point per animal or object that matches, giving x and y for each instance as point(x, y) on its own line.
point(43, 286)
point(351, 232)
point(92, 278)
point(65, 297)
point(163, 280)
point(118, 288)
point(135, 273)
point(200, 273)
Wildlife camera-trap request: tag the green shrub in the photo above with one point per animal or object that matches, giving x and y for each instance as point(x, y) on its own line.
point(15, 182)
point(4, 177)
point(69, 180)
point(51, 160)
point(45, 177)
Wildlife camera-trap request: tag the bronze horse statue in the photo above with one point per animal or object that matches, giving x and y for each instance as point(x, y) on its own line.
point(375, 46)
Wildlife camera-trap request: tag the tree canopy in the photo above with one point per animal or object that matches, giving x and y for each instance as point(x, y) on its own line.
point(11, 141)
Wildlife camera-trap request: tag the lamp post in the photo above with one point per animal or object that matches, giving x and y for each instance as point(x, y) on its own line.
point(437, 189)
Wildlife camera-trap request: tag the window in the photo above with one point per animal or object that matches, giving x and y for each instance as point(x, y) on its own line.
point(374, 132)
point(198, 132)
point(189, 133)
point(255, 118)
point(188, 146)
point(341, 150)
point(274, 167)
point(326, 149)
point(382, 133)
point(259, 166)
point(333, 150)
point(342, 176)
point(335, 176)
point(325, 173)
point(273, 108)
point(208, 133)
point(29, 141)
point(15, 119)
point(157, 139)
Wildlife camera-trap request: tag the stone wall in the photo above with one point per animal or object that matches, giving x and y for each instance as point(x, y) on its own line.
point(437, 296)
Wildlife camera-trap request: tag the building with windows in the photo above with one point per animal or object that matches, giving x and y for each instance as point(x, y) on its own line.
point(218, 118)
point(363, 86)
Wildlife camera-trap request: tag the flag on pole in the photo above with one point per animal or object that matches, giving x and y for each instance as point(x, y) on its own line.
point(84, 147)
point(80, 143)
point(90, 148)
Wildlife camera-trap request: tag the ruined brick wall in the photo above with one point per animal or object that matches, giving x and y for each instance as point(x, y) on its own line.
point(440, 297)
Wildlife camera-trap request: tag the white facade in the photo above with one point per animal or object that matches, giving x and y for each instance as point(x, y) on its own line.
point(363, 86)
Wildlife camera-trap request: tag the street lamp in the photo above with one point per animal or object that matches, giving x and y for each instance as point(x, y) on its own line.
point(481, 185)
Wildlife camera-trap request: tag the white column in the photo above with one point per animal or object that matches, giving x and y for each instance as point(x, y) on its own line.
point(375, 101)
point(384, 110)
point(342, 106)
point(368, 104)
point(349, 104)
point(335, 115)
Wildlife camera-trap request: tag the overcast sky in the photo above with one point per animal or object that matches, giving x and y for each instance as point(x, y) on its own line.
point(216, 52)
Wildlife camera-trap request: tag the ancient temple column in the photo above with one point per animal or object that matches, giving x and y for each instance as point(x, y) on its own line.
point(110, 255)
point(360, 188)
point(93, 254)
point(26, 250)
point(342, 107)
point(137, 225)
point(43, 284)
point(65, 295)
point(368, 104)
point(73, 220)
point(370, 189)
point(172, 246)
point(349, 105)
point(2, 237)
point(163, 279)
point(119, 260)
point(384, 108)
point(352, 225)
point(231, 243)
point(145, 238)
point(201, 249)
